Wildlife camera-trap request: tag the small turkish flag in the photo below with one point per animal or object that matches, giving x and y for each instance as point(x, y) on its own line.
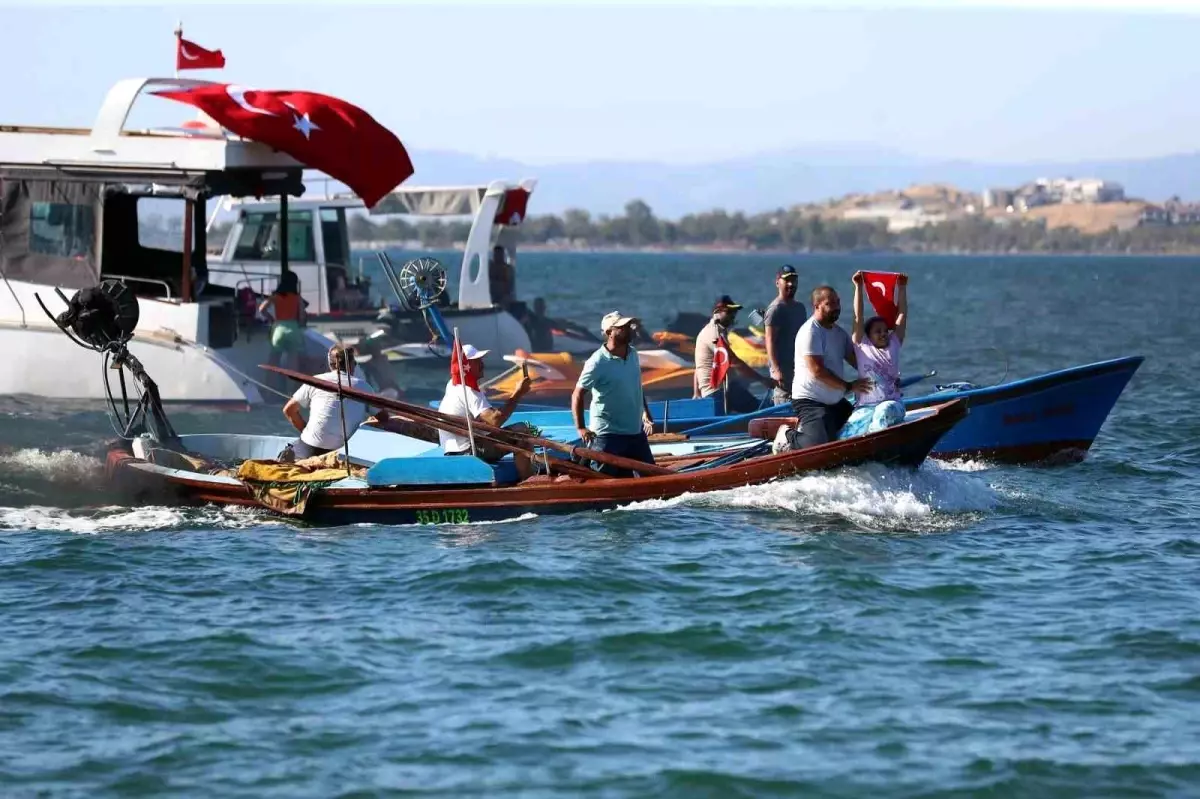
point(458, 368)
point(720, 367)
point(512, 210)
point(189, 55)
point(881, 291)
point(320, 131)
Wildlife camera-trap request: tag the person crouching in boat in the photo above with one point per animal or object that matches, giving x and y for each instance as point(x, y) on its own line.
point(733, 396)
point(464, 396)
point(877, 347)
point(620, 421)
point(818, 388)
point(322, 433)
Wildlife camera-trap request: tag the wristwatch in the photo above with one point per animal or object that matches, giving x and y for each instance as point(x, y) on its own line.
point(849, 385)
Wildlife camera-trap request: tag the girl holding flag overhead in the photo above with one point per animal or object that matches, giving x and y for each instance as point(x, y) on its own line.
point(877, 341)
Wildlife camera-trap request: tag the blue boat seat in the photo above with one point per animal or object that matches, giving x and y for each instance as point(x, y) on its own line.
point(434, 469)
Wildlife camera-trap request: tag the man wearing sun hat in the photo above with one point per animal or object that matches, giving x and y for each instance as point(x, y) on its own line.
point(463, 396)
point(783, 320)
point(619, 418)
point(733, 397)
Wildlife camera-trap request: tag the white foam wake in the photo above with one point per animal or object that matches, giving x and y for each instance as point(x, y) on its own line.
point(57, 466)
point(870, 495)
point(113, 518)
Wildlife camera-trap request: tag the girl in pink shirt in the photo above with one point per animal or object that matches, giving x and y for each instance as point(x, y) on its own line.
point(877, 347)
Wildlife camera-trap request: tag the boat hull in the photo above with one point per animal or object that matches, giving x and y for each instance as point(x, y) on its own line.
point(1051, 418)
point(906, 444)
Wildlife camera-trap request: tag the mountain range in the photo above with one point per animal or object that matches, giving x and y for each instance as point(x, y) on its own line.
point(783, 178)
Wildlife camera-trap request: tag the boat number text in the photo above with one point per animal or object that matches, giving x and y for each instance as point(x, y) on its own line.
point(443, 516)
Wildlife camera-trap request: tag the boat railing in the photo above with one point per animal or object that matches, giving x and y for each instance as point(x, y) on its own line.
point(151, 280)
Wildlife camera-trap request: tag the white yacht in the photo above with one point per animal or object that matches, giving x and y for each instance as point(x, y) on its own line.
point(80, 206)
point(340, 302)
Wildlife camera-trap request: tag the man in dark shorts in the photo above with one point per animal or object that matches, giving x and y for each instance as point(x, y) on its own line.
point(818, 389)
point(619, 418)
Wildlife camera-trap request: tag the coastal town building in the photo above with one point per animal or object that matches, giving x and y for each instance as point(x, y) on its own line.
point(1054, 191)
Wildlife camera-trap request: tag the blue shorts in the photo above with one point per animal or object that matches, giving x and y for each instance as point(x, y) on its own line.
point(635, 447)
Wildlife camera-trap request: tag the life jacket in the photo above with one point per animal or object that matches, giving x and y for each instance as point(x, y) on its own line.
point(287, 307)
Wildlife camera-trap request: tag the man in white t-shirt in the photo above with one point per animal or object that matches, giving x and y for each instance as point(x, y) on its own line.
point(322, 432)
point(818, 388)
point(465, 397)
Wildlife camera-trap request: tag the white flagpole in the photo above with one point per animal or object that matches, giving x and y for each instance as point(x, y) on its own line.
point(178, 42)
point(459, 355)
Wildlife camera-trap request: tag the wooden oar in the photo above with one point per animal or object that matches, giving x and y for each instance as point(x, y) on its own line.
point(454, 424)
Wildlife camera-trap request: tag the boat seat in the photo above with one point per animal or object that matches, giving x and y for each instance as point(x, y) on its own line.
point(436, 469)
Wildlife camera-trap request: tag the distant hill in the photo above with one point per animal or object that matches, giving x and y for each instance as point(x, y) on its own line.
point(782, 179)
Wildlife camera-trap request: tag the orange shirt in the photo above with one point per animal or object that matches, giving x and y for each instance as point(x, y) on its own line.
point(287, 307)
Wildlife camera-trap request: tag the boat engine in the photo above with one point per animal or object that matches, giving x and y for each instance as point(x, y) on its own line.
point(101, 315)
point(102, 318)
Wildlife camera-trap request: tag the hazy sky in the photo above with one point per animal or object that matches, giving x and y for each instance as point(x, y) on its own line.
point(672, 82)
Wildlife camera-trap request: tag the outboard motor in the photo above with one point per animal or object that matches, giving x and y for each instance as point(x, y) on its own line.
point(102, 318)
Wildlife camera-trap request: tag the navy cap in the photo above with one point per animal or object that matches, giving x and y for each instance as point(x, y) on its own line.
point(725, 302)
point(785, 271)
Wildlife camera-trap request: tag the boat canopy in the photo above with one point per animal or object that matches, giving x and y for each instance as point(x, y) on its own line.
point(68, 196)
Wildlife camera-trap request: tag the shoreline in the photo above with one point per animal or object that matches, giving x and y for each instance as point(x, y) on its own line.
point(374, 246)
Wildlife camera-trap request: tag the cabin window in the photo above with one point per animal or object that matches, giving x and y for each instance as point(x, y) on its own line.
point(259, 240)
point(160, 224)
point(333, 221)
point(62, 229)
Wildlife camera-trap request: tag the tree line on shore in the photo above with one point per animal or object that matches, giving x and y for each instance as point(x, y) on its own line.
point(789, 230)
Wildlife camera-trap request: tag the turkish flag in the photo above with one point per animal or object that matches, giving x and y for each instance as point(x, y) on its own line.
point(320, 131)
point(512, 210)
point(458, 366)
point(189, 55)
point(881, 291)
point(720, 366)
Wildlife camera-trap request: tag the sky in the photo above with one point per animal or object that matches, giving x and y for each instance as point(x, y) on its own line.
point(677, 83)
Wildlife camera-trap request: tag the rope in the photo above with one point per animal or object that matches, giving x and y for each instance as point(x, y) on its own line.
point(209, 351)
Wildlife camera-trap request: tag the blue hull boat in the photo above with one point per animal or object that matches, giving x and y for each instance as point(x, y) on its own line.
point(1049, 418)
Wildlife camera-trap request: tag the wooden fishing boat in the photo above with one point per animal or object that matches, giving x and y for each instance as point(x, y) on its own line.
point(400, 476)
point(438, 489)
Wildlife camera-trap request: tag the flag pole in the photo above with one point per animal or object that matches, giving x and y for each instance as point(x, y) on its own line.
point(178, 42)
point(462, 375)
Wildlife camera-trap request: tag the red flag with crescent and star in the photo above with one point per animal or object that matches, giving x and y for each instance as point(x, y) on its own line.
point(189, 55)
point(458, 364)
point(720, 366)
point(881, 291)
point(322, 132)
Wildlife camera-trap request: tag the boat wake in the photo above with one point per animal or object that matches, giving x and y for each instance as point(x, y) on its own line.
point(115, 518)
point(935, 497)
point(59, 477)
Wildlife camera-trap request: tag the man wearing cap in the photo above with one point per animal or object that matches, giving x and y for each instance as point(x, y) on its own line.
point(783, 319)
point(619, 416)
point(322, 432)
point(733, 397)
point(465, 397)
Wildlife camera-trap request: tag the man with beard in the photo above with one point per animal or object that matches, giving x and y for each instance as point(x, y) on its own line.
point(619, 420)
point(734, 397)
point(783, 319)
point(818, 388)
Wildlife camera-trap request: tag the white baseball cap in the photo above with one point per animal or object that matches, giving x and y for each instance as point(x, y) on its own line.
point(471, 354)
point(614, 319)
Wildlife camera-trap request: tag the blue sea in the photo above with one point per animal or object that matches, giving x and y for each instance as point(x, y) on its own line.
point(965, 630)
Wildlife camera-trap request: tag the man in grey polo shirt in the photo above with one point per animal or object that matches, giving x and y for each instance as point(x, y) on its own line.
point(782, 320)
point(818, 390)
point(619, 416)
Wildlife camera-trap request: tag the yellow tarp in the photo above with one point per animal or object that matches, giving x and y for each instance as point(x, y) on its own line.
point(287, 487)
